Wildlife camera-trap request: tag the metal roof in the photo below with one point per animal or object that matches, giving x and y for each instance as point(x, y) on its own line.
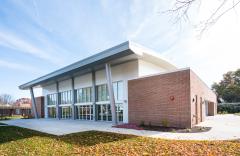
point(116, 52)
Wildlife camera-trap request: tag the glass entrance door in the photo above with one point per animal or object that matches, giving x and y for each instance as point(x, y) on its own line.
point(104, 112)
point(66, 112)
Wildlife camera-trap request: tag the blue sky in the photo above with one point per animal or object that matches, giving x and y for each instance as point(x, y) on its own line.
point(39, 36)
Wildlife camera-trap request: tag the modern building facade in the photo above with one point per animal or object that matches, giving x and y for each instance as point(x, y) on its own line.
point(100, 88)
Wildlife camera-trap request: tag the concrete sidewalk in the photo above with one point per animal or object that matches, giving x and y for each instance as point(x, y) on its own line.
point(224, 127)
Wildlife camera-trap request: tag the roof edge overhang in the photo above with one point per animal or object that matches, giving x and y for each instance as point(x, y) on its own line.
point(106, 56)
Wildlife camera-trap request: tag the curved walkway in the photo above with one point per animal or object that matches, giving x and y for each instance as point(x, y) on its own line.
point(224, 127)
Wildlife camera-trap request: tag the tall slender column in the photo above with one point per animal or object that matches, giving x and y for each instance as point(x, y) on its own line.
point(34, 107)
point(94, 95)
point(73, 100)
point(58, 113)
point(111, 93)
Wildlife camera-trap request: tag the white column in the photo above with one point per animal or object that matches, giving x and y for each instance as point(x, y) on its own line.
point(73, 100)
point(45, 106)
point(94, 96)
point(125, 101)
point(34, 107)
point(111, 93)
point(58, 114)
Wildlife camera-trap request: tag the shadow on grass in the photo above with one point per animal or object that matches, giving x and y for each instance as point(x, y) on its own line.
point(13, 133)
point(89, 138)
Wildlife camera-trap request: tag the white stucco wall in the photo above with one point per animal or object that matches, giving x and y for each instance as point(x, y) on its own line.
point(148, 68)
point(65, 85)
point(83, 81)
point(124, 71)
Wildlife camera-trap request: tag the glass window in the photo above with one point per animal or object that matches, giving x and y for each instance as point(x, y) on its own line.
point(104, 112)
point(52, 99)
point(102, 93)
point(84, 95)
point(66, 112)
point(51, 112)
point(66, 97)
point(89, 95)
point(120, 90)
point(85, 112)
point(119, 110)
point(109, 113)
point(99, 112)
point(115, 90)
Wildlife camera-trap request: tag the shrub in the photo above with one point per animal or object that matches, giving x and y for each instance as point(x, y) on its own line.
point(228, 108)
point(165, 123)
point(142, 124)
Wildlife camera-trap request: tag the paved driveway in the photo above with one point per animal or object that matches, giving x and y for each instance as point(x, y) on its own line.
point(224, 127)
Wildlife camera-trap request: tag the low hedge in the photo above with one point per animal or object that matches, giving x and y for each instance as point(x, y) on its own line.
point(228, 108)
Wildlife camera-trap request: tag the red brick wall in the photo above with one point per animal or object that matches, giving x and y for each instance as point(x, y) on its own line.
point(200, 94)
point(176, 97)
point(40, 106)
point(164, 97)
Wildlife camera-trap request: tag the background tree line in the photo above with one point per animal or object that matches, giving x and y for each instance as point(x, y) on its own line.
point(6, 99)
point(228, 89)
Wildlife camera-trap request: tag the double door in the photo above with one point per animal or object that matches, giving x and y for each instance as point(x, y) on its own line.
point(104, 112)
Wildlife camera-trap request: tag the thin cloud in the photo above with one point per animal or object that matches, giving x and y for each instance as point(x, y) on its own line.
point(17, 66)
point(14, 42)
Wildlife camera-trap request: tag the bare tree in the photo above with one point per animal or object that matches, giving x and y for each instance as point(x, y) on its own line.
point(180, 12)
point(6, 99)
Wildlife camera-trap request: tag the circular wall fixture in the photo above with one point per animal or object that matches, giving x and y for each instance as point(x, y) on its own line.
point(171, 98)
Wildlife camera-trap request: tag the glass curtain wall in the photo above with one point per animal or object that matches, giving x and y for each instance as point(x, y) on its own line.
point(84, 95)
point(51, 112)
point(65, 99)
point(51, 99)
point(66, 112)
point(84, 109)
point(103, 104)
point(51, 104)
point(84, 106)
point(84, 112)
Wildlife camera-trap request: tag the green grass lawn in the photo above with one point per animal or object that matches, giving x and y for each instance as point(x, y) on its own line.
point(20, 141)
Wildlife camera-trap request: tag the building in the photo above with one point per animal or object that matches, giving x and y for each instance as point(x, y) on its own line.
point(22, 107)
point(23, 102)
point(7, 110)
point(142, 85)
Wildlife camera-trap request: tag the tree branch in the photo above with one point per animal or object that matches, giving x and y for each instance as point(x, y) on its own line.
point(181, 8)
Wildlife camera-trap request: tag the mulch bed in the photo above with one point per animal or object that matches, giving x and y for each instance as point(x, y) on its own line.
point(195, 129)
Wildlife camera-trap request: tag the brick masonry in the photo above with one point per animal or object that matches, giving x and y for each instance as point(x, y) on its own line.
point(201, 97)
point(167, 99)
point(40, 106)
